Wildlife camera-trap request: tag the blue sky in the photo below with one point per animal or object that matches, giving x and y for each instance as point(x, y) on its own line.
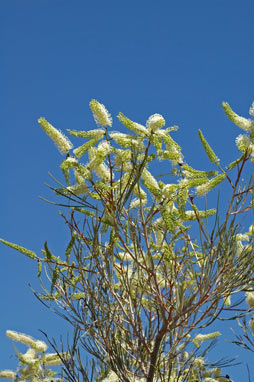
point(177, 58)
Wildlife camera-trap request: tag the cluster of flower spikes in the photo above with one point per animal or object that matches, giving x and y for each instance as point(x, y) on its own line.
point(99, 148)
point(33, 364)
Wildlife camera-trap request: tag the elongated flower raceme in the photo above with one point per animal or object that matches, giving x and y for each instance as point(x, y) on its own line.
point(241, 122)
point(22, 250)
point(208, 186)
point(209, 151)
point(203, 337)
point(151, 183)
point(100, 113)
point(38, 346)
point(103, 149)
point(90, 134)
point(52, 359)
point(102, 171)
point(133, 126)
point(191, 215)
point(190, 172)
point(7, 374)
point(79, 151)
point(126, 140)
point(62, 142)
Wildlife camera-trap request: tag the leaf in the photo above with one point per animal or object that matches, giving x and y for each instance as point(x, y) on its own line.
point(47, 251)
point(54, 278)
point(69, 248)
point(39, 269)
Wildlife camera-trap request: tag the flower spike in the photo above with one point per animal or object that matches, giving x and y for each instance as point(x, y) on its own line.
point(100, 113)
point(63, 143)
point(241, 122)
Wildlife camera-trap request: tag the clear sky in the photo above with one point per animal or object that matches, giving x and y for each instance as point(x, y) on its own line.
point(177, 58)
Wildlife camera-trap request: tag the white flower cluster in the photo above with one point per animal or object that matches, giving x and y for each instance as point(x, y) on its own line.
point(32, 364)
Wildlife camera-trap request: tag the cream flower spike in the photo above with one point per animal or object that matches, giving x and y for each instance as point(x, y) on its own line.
point(155, 122)
point(39, 346)
point(203, 337)
point(8, 374)
point(63, 143)
point(100, 113)
point(241, 122)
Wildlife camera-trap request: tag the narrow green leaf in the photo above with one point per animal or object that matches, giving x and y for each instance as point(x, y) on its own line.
point(47, 251)
point(54, 279)
point(39, 269)
point(83, 211)
point(69, 249)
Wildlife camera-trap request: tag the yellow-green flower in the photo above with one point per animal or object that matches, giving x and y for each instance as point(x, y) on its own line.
point(62, 142)
point(100, 113)
point(38, 346)
point(242, 142)
point(239, 121)
point(7, 374)
point(155, 122)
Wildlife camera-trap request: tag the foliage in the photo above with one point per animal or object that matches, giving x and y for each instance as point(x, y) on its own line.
point(146, 269)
